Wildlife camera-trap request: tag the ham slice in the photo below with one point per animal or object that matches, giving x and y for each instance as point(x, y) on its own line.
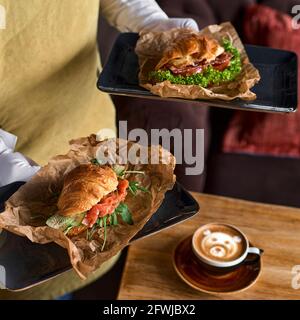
point(220, 63)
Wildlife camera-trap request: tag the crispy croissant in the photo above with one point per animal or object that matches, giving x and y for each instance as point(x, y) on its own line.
point(190, 48)
point(84, 187)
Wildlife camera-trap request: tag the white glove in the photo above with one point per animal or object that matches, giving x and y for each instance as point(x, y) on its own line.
point(13, 165)
point(172, 23)
point(141, 15)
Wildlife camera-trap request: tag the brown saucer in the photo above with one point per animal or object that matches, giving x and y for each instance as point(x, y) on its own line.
point(192, 272)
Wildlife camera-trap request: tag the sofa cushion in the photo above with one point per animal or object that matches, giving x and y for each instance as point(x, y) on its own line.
point(262, 133)
point(260, 178)
point(206, 12)
point(280, 5)
point(201, 11)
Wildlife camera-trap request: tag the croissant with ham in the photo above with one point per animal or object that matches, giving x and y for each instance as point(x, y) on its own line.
point(185, 63)
point(191, 53)
point(194, 58)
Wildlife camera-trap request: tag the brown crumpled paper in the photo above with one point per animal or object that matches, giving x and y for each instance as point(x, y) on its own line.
point(27, 210)
point(151, 46)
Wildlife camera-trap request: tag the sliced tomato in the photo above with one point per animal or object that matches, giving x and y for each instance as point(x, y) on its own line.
point(107, 205)
point(222, 61)
point(122, 188)
point(91, 217)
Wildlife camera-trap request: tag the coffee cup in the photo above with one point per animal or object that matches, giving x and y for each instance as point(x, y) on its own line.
point(222, 246)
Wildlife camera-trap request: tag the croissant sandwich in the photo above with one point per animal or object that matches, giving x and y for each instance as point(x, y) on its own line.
point(208, 64)
point(194, 58)
point(93, 197)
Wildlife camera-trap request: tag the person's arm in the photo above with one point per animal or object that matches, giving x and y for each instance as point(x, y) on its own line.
point(13, 165)
point(141, 15)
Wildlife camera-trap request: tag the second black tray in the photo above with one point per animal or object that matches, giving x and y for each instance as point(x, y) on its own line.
point(27, 264)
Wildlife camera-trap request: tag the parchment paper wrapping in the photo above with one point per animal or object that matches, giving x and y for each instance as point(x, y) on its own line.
point(151, 46)
point(27, 210)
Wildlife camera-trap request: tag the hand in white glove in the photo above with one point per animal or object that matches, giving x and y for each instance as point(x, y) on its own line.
point(141, 15)
point(163, 25)
point(13, 165)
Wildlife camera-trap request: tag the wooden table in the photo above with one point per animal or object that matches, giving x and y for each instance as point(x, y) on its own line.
point(149, 273)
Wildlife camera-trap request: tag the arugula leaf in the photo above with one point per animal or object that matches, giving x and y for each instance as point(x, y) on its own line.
point(121, 172)
point(100, 222)
point(114, 219)
point(68, 229)
point(134, 172)
point(90, 233)
point(134, 187)
point(124, 212)
point(105, 232)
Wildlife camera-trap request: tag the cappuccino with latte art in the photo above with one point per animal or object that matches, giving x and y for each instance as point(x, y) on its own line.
point(221, 245)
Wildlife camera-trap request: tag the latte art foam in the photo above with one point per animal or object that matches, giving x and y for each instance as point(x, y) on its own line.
point(221, 243)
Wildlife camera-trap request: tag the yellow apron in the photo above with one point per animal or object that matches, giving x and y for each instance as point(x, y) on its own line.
point(48, 72)
point(48, 94)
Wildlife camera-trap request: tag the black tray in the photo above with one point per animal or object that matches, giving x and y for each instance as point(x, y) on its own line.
point(27, 264)
point(276, 91)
